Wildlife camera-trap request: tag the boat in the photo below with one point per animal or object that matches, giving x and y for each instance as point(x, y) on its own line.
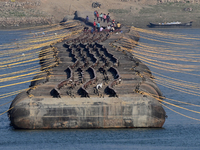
point(169, 24)
point(89, 81)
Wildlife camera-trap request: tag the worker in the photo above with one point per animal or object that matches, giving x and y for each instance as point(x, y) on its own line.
point(94, 25)
point(118, 25)
point(98, 26)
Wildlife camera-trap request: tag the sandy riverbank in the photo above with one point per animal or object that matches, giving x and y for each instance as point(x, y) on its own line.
point(23, 13)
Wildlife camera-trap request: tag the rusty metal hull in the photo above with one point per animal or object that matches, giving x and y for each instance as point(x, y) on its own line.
point(90, 80)
point(129, 111)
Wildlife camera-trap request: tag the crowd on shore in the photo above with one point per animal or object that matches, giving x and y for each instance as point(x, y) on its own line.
point(103, 18)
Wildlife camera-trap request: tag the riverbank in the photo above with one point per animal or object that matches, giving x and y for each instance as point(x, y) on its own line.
point(164, 12)
point(23, 13)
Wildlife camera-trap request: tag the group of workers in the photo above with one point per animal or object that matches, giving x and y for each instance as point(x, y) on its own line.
point(103, 18)
point(110, 27)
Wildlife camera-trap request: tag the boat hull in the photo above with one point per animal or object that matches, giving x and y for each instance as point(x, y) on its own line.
point(153, 25)
point(54, 113)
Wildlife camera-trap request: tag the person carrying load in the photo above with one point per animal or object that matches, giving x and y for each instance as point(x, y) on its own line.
point(118, 25)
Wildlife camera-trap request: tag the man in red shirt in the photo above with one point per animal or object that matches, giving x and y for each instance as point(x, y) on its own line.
point(94, 25)
point(97, 16)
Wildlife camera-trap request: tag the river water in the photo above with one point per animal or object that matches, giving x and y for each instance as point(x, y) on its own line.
point(178, 132)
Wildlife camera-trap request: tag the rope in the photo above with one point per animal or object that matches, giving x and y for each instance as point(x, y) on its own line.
point(161, 34)
point(142, 92)
point(5, 103)
point(6, 111)
point(22, 82)
point(11, 93)
point(21, 71)
point(178, 89)
point(181, 113)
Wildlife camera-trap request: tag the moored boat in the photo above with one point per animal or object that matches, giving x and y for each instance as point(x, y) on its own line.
point(169, 24)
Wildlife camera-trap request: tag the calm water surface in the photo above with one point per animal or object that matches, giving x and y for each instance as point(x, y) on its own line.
point(178, 132)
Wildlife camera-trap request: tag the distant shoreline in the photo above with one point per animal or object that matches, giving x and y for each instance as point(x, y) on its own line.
point(16, 23)
point(26, 25)
point(23, 13)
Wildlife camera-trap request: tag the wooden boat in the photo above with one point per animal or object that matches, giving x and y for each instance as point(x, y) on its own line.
point(169, 24)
